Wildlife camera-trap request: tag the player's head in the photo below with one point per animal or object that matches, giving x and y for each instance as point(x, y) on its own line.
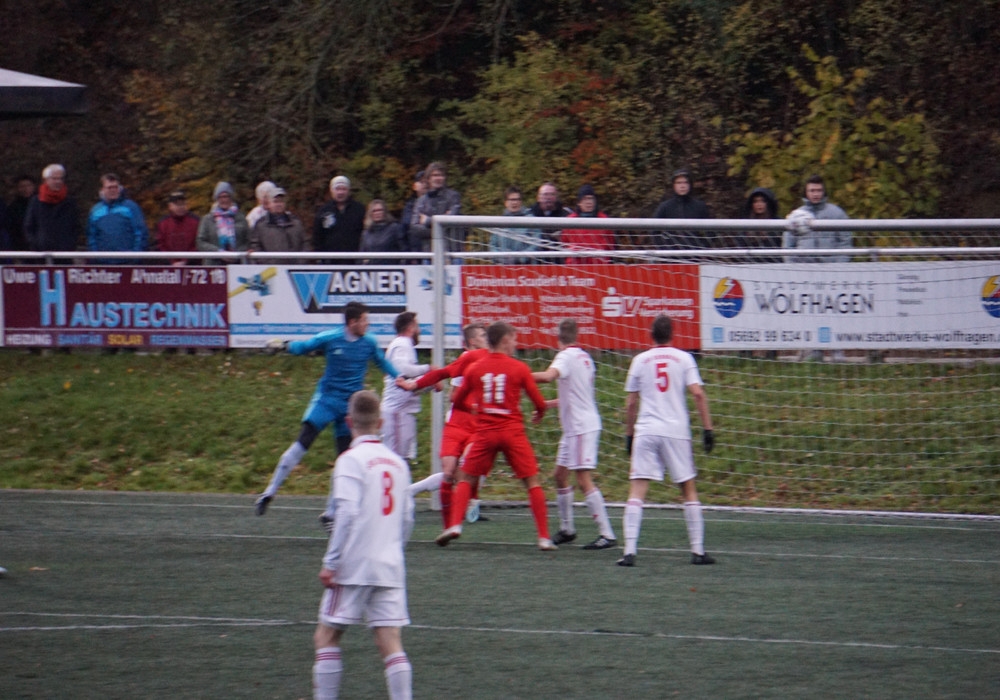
point(568, 331)
point(663, 330)
point(500, 336)
point(363, 415)
point(404, 321)
point(356, 317)
point(474, 335)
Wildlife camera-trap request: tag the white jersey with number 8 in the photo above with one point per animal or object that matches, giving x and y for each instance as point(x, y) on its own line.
point(661, 377)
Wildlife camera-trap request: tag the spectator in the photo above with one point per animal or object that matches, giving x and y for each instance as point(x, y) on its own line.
point(816, 206)
point(382, 234)
point(52, 221)
point(548, 205)
point(116, 223)
point(16, 212)
point(223, 228)
point(178, 230)
point(339, 223)
point(504, 240)
point(588, 239)
point(262, 193)
point(439, 199)
point(419, 187)
point(682, 206)
point(5, 242)
point(279, 231)
point(761, 204)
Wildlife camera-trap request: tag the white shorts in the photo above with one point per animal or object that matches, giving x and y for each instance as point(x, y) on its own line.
point(578, 451)
point(351, 605)
point(399, 433)
point(653, 455)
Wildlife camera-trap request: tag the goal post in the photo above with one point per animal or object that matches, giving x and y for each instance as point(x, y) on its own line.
point(862, 385)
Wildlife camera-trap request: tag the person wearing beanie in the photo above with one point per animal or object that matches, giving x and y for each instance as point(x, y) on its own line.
point(178, 230)
point(683, 205)
point(224, 228)
point(587, 239)
point(338, 224)
point(52, 219)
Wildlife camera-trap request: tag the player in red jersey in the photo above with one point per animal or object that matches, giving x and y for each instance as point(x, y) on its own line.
point(492, 386)
point(460, 424)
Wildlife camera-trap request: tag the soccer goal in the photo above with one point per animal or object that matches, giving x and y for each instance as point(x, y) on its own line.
point(864, 382)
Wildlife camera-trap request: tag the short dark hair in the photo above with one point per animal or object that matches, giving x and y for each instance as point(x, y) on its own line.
point(468, 330)
point(511, 190)
point(497, 332)
point(568, 331)
point(663, 329)
point(354, 310)
point(24, 176)
point(109, 177)
point(363, 408)
point(404, 320)
point(814, 180)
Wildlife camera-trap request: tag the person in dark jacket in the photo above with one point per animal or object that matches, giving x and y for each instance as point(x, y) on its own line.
point(278, 231)
point(382, 234)
point(16, 212)
point(52, 220)
point(419, 187)
point(760, 204)
point(116, 223)
point(178, 230)
point(682, 206)
point(439, 199)
point(338, 224)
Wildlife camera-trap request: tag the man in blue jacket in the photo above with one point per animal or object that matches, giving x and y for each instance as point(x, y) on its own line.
point(116, 223)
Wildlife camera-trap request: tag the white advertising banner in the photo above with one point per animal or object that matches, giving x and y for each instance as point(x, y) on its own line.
point(917, 306)
point(298, 301)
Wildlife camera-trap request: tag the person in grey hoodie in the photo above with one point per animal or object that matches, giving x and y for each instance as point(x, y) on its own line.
point(815, 205)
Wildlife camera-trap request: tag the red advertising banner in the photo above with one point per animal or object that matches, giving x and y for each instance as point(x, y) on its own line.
point(115, 306)
point(614, 305)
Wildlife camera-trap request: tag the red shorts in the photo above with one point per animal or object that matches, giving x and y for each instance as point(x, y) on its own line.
point(454, 439)
point(513, 444)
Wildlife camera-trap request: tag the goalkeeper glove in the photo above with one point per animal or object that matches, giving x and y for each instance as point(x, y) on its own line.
point(708, 440)
point(628, 445)
point(276, 345)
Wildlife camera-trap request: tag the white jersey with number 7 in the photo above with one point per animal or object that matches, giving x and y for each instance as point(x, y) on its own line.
point(661, 377)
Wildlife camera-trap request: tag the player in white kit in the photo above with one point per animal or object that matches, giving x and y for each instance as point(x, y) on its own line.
point(364, 571)
point(400, 407)
point(574, 370)
point(658, 435)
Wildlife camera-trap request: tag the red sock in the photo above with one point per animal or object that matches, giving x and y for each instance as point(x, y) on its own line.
point(539, 511)
point(445, 496)
point(459, 502)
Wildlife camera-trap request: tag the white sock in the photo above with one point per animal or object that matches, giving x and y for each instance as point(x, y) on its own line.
point(326, 673)
point(695, 526)
point(631, 522)
point(598, 511)
point(289, 460)
point(431, 483)
point(398, 676)
point(564, 499)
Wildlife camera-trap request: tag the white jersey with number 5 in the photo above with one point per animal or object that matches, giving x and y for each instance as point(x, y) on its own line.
point(661, 377)
point(577, 408)
point(366, 547)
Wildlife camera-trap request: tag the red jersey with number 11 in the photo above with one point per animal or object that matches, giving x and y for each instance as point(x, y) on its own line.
point(492, 387)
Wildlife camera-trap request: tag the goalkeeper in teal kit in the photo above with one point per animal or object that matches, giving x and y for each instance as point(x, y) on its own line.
point(348, 352)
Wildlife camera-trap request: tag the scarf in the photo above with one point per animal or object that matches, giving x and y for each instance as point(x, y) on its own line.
point(45, 194)
point(225, 225)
